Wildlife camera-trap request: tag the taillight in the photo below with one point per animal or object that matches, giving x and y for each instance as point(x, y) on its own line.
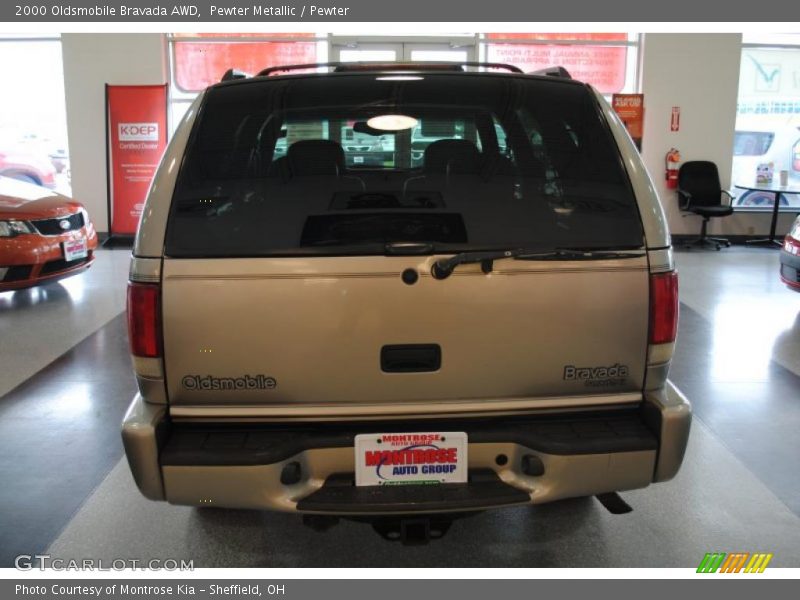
point(143, 319)
point(796, 157)
point(663, 307)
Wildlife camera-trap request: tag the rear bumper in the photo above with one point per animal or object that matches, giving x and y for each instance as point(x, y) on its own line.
point(240, 465)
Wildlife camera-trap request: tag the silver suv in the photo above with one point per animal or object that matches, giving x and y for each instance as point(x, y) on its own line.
point(313, 336)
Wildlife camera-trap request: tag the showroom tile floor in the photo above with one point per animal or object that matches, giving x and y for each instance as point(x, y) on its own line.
point(48, 321)
point(737, 359)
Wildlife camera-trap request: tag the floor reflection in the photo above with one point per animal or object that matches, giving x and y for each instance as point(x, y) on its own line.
point(35, 296)
point(746, 329)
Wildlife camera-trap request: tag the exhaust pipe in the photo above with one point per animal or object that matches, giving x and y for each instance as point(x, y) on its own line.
point(614, 503)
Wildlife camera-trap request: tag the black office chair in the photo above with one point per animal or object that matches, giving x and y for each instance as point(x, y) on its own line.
point(700, 193)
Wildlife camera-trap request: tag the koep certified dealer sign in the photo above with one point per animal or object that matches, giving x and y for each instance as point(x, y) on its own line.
point(137, 136)
point(137, 132)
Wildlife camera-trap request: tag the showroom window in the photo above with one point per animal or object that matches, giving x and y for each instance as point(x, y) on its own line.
point(606, 60)
point(33, 119)
point(198, 60)
point(767, 133)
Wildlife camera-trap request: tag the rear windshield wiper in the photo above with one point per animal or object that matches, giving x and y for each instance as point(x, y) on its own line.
point(444, 267)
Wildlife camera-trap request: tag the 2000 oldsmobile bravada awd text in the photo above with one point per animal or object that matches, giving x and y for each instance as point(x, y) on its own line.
point(325, 335)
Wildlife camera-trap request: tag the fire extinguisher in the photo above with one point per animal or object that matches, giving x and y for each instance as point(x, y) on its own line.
point(673, 160)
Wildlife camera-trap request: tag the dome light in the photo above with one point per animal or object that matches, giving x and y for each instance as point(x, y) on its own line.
point(392, 122)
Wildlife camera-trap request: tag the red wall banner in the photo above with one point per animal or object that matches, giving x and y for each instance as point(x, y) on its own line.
point(198, 65)
point(602, 66)
point(136, 136)
point(630, 108)
point(200, 59)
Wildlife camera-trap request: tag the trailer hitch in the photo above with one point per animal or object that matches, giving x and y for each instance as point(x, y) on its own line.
point(412, 531)
point(409, 530)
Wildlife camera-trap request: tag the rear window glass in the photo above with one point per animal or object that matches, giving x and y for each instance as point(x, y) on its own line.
point(345, 164)
point(752, 143)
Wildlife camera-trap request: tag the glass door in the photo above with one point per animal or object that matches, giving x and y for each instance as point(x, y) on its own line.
point(355, 52)
point(351, 51)
point(438, 52)
point(363, 150)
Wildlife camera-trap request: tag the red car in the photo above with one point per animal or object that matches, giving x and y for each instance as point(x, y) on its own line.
point(44, 236)
point(27, 166)
point(790, 257)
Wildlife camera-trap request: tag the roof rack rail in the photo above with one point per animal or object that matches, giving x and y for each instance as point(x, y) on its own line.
point(552, 72)
point(233, 74)
point(344, 67)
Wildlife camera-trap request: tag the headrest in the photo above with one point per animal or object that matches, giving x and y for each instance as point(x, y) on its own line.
point(461, 156)
point(315, 157)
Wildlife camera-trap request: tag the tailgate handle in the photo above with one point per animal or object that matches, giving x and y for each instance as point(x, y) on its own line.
point(411, 358)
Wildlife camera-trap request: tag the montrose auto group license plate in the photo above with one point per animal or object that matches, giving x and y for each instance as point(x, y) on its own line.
point(411, 458)
point(75, 249)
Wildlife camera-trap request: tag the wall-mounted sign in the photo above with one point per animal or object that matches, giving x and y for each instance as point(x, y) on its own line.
point(136, 136)
point(675, 119)
point(630, 108)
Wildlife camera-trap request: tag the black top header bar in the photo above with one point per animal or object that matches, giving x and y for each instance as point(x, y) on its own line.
point(439, 11)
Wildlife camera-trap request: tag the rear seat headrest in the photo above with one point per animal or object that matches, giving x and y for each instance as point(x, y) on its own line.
point(315, 157)
point(461, 156)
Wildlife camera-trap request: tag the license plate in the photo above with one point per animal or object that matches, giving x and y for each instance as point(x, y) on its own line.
point(75, 249)
point(411, 458)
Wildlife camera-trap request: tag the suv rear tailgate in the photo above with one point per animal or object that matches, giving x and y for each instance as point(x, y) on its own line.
point(283, 332)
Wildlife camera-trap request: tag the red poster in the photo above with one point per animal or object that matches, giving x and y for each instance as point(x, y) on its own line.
point(198, 64)
point(136, 138)
point(630, 108)
point(602, 66)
